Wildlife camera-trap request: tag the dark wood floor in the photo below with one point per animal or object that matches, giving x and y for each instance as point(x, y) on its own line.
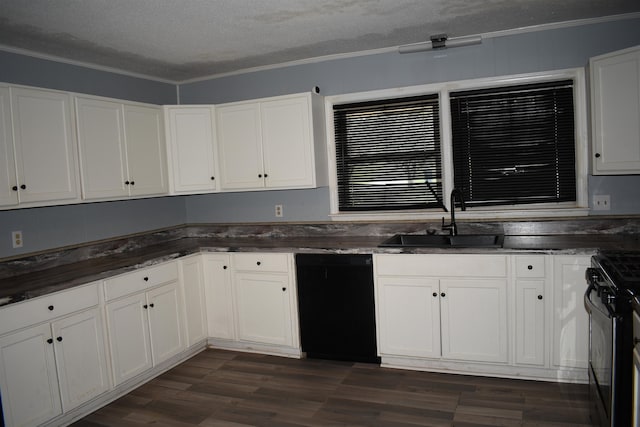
point(222, 388)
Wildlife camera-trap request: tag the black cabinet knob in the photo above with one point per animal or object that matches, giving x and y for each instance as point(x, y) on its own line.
point(145, 306)
point(14, 188)
point(59, 339)
point(23, 187)
point(213, 178)
point(50, 308)
point(224, 267)
point(284, 289)
point(133, 183)
point(435, 294)
point(539, 296)
point(259, 175)
point(443, 295)
point(126, 183)
point(265, 175)
point(151, 305)
point(597, 155)
point(530, 267)
point(50, 341)
point(146, 279)
point(258, 263)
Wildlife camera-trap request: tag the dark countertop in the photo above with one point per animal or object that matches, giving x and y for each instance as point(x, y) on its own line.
point(37, 283)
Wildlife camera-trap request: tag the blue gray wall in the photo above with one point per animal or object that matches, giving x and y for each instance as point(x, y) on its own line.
point(50, 227)
point(567, 47)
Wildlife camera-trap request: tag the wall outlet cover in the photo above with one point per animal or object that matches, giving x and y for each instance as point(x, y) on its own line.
point(602, 202)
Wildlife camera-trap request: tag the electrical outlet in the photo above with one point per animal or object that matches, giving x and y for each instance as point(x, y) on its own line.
point(602, 202)
point(279, 211)
point(16, 239)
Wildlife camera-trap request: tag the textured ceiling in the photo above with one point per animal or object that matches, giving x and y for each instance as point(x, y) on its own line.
point(179, 40)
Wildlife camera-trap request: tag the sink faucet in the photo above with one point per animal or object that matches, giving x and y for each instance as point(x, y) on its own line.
point(453, 227)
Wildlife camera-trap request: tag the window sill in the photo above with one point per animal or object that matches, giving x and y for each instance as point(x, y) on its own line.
point(476, 214)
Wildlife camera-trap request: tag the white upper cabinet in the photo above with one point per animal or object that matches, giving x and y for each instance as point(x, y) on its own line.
point(615, 105)
point(45, 147)
point(122, 149)
point(272, 143)
point(8, 179)
point(191, 147)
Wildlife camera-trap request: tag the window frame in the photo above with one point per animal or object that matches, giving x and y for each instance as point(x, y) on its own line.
point(577, 208)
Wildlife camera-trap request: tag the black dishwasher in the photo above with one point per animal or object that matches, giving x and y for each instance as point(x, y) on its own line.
point(336, 306)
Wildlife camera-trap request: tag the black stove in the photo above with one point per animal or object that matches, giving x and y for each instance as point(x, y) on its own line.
point(614, 282)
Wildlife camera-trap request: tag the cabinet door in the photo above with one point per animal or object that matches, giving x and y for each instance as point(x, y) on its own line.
point(194, 299)
point(8, 179)
point(129, 337)
point(80, 357)
point(408, 316)
point(240, 146)
point(146, 152)
point(191, 146)
point(102, 148)
point(474, 319)
point(615, 94)
point(165, 322)
point(570, 319)
point(219, 296)
point(45, 147)
point(264, 308)
point(28, 380)
point(530, 322)
point(287, 143)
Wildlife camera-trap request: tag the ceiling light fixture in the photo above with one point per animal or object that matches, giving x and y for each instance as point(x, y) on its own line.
point(440, 41)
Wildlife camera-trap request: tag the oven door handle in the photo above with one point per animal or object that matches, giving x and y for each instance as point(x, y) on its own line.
point(591, 307)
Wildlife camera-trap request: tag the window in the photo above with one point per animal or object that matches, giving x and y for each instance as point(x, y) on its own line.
point(514, 145)
point(388, 154)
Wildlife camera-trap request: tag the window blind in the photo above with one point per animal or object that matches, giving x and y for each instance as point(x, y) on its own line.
point(514, 145)
point(388, 154)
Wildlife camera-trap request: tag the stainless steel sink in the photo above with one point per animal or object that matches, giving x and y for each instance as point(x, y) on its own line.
point(444, 241)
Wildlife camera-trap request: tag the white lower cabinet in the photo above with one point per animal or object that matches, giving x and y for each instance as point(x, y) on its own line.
point(473, 315)
point(508, 315)
point(252, 302)
point(145, 327)
point(570, 319)
point(53, 366)
point(192, 278)
point(424, 313)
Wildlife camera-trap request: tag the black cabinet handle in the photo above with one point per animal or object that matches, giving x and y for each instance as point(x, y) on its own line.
point(265, 175)
point(126, 183)
point(213, 178)
point(224, 267)
point(50, 308)
point(443, 295)
point(145, 306)
point(530, 267)
point(133, 183)
point(14, 188)
point(258, 263)
point(539, 296)
point(50, 341)
point(151, 305)
point(284, 289)
point(23, 187)
point(146, 279)
point(259, 175)
point(597, 155)
point(59, 339)
point(435, 294)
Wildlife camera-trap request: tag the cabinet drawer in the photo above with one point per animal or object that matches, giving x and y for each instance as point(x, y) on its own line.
point(441, 265)
point(140, 280)
point(261, 262)
point(48, 307)
point(530, 266)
